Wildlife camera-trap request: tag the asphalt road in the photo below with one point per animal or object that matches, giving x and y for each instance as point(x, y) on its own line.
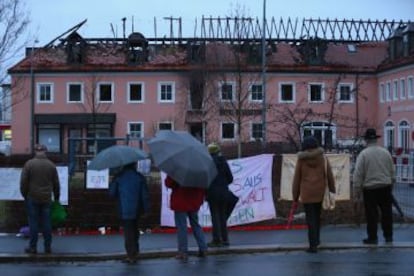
point(373, 261)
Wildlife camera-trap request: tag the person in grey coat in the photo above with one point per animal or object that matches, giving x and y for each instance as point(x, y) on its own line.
point(374, 175)
point(130, 188)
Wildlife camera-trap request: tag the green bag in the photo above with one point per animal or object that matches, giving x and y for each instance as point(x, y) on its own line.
point(57, 213)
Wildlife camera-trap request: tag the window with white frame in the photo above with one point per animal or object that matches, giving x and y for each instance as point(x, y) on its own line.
point(395, 90)
point(256, 92)
point(403, 93)
point(315, 93)
point(136, 129)
point(165, 126)
point(74, 92)
point(382, 93)
point(286, 93)
point(44, 93)
point(323, 131)
point(166, 92)
point(50, 136)
point(105, 92)
point(404, 135)
point(135, 92)
point(388, 92)
point(227, 91)
point(256, 131)
point(389, 130)
point(410, 87)
point(345, 93)
point(228, 131)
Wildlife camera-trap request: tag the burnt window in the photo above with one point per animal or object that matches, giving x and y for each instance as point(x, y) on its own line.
point(105, 92)
point(135, 92)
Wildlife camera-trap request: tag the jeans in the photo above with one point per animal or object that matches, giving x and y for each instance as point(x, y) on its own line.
point(378, 198)
point(131, 237)
point(181, 224)
point(313, 220)
point(39, 215)
point(219, 220)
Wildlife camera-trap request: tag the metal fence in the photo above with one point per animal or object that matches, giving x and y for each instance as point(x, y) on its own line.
point(80, 150)
point(403, 190)
point(404, 187)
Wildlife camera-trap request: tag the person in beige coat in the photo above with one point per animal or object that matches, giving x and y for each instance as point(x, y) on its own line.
point(309, 183)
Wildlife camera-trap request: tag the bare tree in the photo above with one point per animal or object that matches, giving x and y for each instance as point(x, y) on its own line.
point(92, 103)
point(14, 21)
point(289, 120)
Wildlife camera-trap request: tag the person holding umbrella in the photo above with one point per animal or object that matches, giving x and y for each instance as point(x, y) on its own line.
point(130, 188)
point(217, 197)
point(185, 202)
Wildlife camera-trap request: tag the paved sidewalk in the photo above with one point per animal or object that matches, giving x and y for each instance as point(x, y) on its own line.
point(159, 245)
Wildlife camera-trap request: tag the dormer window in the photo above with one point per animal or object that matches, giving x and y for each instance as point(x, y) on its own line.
point(137, 46)
point(396, 43)
point(408, 39)
point(75, 46)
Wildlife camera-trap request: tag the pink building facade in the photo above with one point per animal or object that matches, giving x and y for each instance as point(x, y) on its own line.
point(214, 89)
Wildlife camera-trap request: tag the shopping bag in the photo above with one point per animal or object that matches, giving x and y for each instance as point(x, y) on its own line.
point(57, 213)
point(328, 202)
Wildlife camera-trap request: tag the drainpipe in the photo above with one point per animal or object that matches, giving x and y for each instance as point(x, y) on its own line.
point(32, 98)
point(264, 77)
point(357, 103)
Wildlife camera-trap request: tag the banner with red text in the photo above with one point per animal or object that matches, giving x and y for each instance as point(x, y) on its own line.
point(252, 184)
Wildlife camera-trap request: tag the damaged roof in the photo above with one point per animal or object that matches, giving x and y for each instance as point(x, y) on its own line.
point(77, 54)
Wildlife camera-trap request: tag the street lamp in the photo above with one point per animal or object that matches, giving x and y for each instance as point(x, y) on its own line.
point(32, 97)
point(264, 76)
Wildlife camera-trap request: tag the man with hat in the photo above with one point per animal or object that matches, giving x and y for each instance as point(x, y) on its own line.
point(38, 180)
point(374, 174)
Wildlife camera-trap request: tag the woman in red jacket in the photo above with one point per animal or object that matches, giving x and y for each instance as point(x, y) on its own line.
point(185, 202)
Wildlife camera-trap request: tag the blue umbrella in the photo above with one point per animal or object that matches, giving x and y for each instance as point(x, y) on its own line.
point(116, 156)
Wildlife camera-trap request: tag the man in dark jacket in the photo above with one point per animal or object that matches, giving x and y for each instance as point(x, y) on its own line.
point(130, 188)
point(38, 180)
point(217, 197)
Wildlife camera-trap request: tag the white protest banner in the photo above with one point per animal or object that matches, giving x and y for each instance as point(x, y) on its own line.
point(340, 169)
point(10, 184)
point(64, 184)
point(252, 184)
point(97, 179)
point(100, 179)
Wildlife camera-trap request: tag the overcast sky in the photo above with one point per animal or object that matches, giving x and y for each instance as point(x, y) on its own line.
point(50, 18)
